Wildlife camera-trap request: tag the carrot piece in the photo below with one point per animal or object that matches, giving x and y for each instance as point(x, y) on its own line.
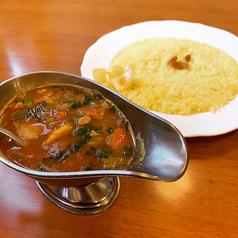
point(61, 114)
point(117, 139)
point(87, 111)
point(93, 112)
point(12, 105)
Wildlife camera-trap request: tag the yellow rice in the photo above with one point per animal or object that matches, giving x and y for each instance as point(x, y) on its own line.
point(210, 83)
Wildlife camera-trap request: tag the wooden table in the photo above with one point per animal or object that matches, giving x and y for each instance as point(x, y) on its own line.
point(54, 35)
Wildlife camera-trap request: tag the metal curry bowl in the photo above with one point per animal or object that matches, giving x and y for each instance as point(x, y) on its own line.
point(161, 151)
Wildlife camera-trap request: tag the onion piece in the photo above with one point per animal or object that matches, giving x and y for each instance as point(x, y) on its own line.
point(124, 81)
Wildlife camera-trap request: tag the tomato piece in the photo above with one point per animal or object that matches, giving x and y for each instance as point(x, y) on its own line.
point(117, 139)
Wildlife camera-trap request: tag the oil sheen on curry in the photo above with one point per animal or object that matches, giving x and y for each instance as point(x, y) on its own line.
point(67, 128)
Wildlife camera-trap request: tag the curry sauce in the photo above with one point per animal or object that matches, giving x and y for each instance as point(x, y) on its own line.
point(67, 128)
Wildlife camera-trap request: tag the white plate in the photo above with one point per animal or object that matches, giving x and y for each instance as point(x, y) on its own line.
point(100, 54)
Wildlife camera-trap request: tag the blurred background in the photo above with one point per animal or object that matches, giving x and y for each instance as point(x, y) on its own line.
point(45, 29)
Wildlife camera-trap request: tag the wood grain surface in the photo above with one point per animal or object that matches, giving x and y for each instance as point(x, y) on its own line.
point(54, 35)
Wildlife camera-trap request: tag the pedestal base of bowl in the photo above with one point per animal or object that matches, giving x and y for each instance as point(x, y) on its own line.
point(89, 199)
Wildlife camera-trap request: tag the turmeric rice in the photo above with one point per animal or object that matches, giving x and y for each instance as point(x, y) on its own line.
point(207, 83)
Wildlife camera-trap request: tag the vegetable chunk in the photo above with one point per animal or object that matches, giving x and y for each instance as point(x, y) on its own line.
point(84, 120)
point(117, 139)
point(28, 131)
point(55, 135)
